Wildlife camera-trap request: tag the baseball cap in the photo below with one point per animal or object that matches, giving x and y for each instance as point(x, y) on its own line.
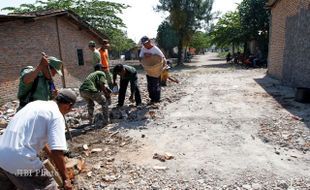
point(55, 63)
point(67, 95)
point(145, 39)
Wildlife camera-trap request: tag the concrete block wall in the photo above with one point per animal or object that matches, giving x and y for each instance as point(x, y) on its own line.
point(21, 44)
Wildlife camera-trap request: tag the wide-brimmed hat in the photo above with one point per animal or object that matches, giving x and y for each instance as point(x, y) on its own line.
point(55, 63)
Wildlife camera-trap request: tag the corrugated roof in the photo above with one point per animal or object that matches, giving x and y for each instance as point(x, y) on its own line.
point(72, 16)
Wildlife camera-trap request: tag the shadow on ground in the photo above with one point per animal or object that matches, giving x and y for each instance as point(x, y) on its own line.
point(285, 96)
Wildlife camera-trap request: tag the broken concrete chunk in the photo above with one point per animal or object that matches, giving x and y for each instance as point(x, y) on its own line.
point(159, 157)
point(85, 146)
point(96, 150)
point(109, 178)
point(168, 156)
point(160, 168)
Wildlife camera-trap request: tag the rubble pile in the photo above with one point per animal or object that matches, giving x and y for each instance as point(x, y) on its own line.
point(287, 131)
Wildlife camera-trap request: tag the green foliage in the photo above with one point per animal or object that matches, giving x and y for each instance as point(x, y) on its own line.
point(101, 15)
point(254, 18)
point(167, 37)
point(185, 17)
point(227, 30)
point(200, 41)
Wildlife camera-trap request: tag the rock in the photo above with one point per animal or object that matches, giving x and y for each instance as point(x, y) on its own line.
point(109, 178)
point(3, 123)
point(257, 186)
point(160, 168)
point(85, 146)
point(10, 111)
point(201, 180)
point(96, 150)
point(248, 187)
point(168, 156)
point(282, 184)
point(159, 157)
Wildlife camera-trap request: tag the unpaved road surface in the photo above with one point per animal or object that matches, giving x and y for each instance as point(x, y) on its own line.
point(222, 134)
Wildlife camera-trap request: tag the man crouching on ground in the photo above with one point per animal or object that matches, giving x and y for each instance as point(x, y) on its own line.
point(39, 125)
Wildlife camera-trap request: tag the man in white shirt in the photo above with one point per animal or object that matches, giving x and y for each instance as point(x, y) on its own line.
point(39, 125)
point(151, 51)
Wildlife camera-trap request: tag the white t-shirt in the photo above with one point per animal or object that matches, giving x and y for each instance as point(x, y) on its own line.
point(38, 123)
point(154, 51)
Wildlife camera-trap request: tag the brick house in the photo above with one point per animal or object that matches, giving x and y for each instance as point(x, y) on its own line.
point(289, 46)
point(58, 33)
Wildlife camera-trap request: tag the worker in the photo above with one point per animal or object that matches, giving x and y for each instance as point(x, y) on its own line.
point(36, 83)
point(39, 125)
point(91, 90)
point(104, 55)
point(96, 58)
point(127, 74)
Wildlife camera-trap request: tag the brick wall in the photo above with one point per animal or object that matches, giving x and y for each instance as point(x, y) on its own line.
point(21, 44)
point(282, 52)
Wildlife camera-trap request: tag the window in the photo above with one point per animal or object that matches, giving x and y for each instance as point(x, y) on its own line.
point(80, 56)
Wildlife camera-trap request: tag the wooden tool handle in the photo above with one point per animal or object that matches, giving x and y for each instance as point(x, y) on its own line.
point(49, 166)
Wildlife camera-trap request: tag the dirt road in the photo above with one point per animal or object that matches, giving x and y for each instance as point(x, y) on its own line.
point(217, 136)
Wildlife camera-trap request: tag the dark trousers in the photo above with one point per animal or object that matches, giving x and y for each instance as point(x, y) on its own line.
point(153, 87)
point(134, 88)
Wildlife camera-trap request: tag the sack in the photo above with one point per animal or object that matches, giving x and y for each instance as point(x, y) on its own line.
point(153, 65)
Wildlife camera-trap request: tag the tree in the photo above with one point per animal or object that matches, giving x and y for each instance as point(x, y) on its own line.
point(200, 41)
point(254, 19)
point(167, 38)
point(227, 31)
point(185, 17)
point(101, 15)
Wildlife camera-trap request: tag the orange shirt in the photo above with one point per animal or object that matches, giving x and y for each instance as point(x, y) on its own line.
point(104, 58)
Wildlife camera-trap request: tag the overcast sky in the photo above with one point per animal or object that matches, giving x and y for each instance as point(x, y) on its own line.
point(140, 18)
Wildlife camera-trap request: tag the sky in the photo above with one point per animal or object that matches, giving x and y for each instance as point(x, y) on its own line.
point(140, 18)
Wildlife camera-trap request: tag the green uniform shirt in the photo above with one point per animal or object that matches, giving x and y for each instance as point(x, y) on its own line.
point(96, 57)
point(42, 92)
point(131, 73)
point(93, 81)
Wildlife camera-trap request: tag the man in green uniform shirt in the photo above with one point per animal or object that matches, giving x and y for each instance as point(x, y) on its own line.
point(127, 74)
point(91, 90)
point(36, 83)
point(96, 55)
